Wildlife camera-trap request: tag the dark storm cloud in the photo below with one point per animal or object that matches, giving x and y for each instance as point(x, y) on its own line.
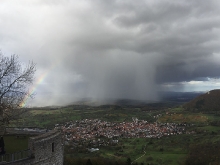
point(113, 49)
point(186, 34)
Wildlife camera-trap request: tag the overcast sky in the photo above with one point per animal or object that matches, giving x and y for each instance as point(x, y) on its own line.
point(109, 49)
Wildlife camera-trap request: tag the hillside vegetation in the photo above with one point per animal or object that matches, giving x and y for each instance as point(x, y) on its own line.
point(199, 143)
point(208, 102)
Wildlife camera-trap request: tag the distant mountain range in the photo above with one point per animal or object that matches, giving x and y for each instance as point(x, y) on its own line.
point(164, 97)
point(181, 97)
point(208, 102)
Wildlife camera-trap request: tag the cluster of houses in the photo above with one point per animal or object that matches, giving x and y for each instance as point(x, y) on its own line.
point(100, 132)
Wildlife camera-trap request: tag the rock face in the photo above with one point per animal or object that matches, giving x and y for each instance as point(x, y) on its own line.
point(207, 102)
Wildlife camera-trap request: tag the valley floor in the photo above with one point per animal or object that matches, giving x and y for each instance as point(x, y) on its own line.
point(139, 135)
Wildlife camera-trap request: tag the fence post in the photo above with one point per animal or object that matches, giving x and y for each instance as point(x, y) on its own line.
point(12, 157)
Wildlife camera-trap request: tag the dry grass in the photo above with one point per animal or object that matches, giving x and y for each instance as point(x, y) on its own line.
point(179, 118)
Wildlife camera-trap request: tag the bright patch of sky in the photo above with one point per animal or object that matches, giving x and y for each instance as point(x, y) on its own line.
point(193, 86)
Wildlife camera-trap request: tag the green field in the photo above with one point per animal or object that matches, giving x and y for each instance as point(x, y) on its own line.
point(48, 118)
point(172, 150)
point(188, 118)
point(169, 150)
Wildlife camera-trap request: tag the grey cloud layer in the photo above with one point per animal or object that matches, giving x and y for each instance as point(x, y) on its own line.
point(114, 49)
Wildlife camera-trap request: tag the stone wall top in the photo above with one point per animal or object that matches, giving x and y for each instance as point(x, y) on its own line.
point(49, 134)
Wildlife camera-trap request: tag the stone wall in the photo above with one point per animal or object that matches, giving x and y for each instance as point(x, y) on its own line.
point(45, 149)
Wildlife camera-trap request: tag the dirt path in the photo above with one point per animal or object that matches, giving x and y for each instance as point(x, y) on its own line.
point(140, 156)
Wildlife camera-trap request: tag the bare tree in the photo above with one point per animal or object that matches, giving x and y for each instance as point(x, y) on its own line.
point(14, 82)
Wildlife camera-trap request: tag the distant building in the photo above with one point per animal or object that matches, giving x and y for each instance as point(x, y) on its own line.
point(93, 149)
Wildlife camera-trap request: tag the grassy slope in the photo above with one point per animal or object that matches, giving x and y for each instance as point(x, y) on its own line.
point(48, 118)
point(207, 102)
point(175, 149)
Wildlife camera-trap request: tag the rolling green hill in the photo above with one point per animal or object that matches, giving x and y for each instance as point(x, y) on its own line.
point(207, 102)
